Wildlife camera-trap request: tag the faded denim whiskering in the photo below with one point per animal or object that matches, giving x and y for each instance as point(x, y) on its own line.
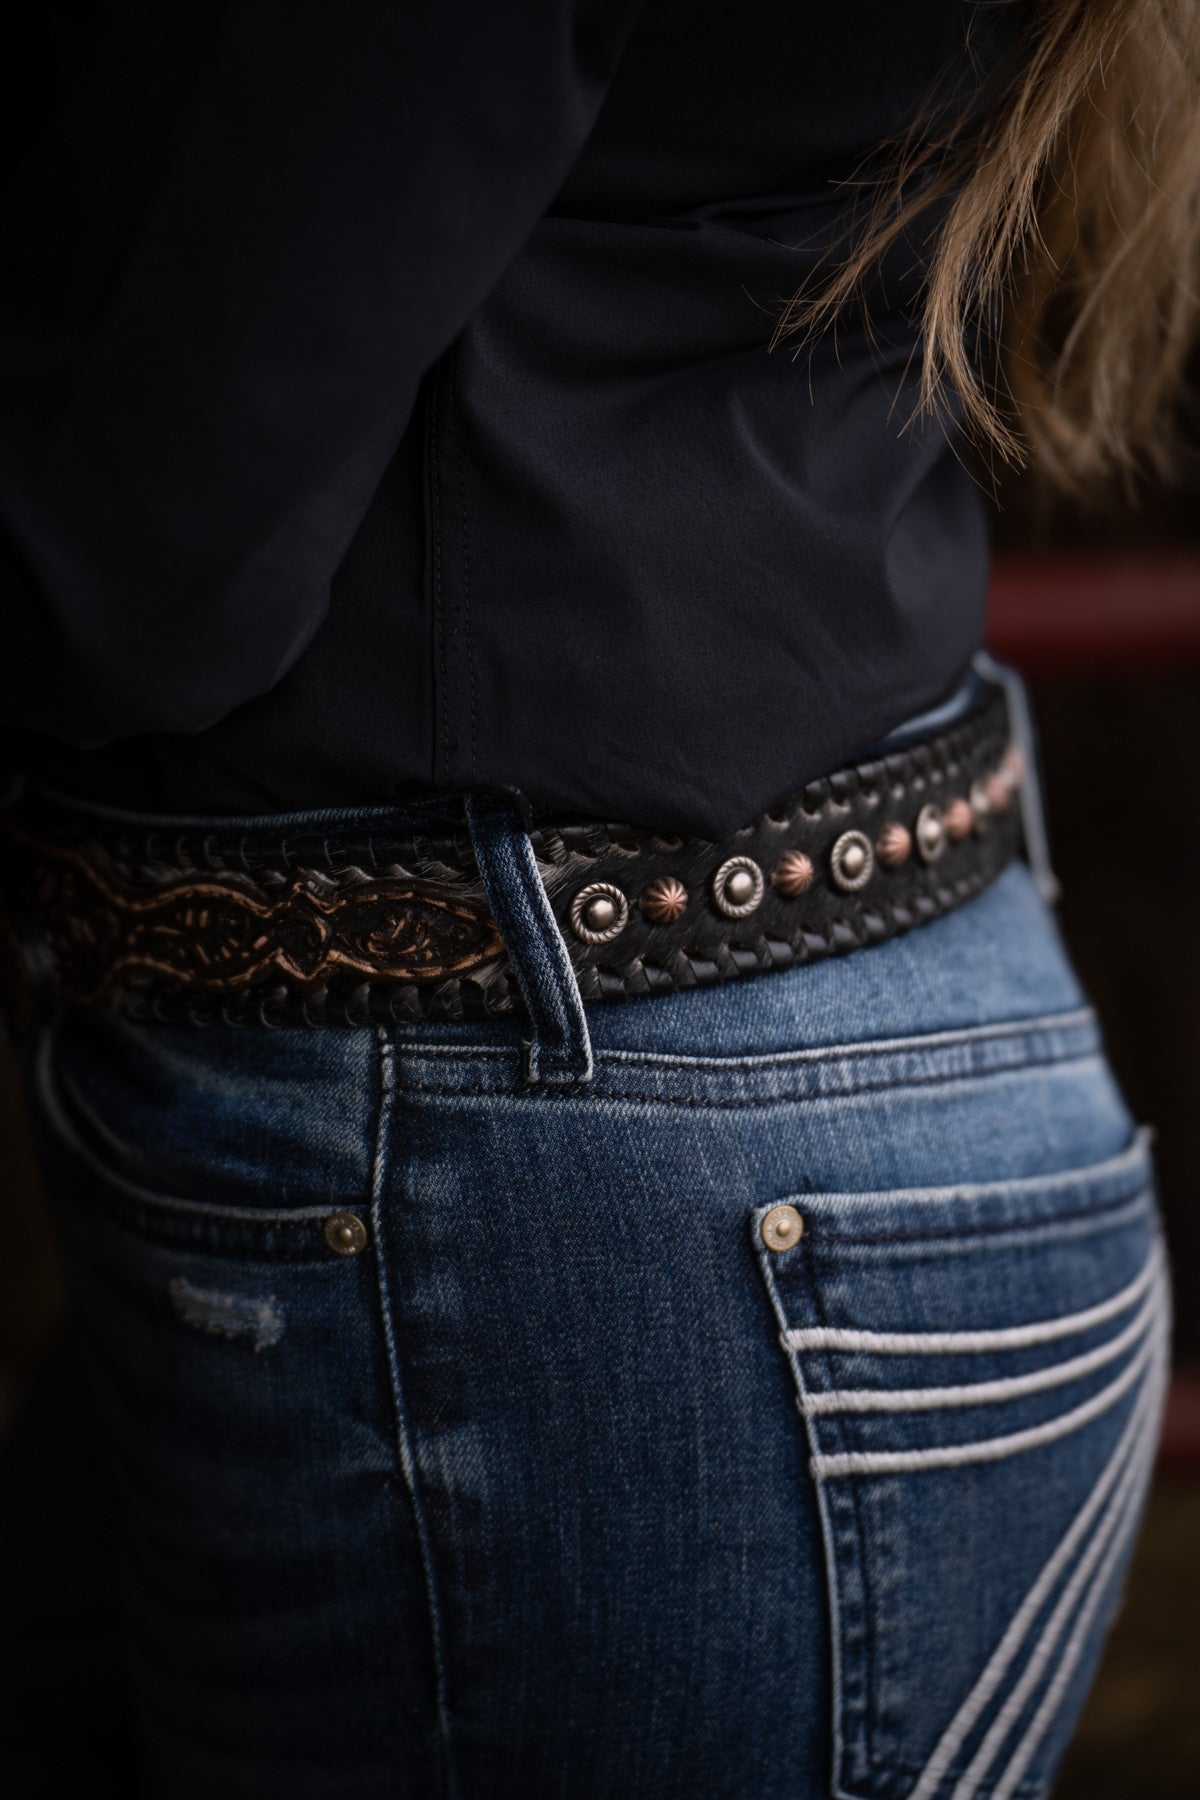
point(566, 1486)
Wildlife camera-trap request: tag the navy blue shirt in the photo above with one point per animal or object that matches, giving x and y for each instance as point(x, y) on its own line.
point(386, 404)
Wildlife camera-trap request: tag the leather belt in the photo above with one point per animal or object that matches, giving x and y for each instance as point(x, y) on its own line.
point(359, 926)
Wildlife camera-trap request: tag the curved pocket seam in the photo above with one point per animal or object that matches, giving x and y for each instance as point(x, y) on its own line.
point(164, 1208)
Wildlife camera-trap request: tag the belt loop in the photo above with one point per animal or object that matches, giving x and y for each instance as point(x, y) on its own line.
point(560, 1047)
point(1030, 792)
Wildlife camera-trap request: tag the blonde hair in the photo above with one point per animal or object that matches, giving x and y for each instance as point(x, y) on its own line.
point(1071, 235)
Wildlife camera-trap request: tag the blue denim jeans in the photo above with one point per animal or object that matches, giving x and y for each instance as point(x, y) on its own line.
point(747, 1394)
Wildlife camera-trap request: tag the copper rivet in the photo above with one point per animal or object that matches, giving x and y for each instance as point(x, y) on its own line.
point(345, 1233)
point(599, 912)
point(793, 873)
point(664, 900)
point(781, 1228)
point(981, 806)
point(737, 887)
point(958, 819)
point(893, 845)
point(930, 833)
point(998, 792)
point(852, 861)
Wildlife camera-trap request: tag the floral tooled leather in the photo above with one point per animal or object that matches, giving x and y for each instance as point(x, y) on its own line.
point(226, 932)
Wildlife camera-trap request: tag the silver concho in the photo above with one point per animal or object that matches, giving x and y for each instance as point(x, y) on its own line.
point(852, 861)
point(738, 887)
point(599, 912)
point(930, 834)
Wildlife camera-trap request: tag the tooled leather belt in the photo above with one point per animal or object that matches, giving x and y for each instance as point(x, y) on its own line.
point(369, 925)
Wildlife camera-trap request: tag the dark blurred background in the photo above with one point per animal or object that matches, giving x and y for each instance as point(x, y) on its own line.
point(1103, 614)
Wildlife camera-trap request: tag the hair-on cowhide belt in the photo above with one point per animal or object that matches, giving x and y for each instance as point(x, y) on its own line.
point(368, 926)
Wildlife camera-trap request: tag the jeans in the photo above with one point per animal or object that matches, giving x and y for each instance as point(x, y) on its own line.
point(746, 1394)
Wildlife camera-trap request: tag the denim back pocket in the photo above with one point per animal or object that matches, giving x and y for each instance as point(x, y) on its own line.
point(980, 1372)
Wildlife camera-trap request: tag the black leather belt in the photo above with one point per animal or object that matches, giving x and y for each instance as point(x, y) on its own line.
point(354, 927)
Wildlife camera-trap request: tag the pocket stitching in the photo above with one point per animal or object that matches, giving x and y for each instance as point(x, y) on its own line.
point(162, 1216)
point(835, 1538)
point(836, 1543)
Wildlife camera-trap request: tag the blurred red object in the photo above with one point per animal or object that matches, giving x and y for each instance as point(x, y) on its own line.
point(1179, 1448)
point(1079, 613)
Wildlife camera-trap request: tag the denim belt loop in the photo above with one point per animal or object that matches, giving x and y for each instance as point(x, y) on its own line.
point(1032, 802)
point(560, 1047)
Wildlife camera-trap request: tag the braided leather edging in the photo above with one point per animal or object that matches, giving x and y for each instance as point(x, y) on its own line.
point(435, 869)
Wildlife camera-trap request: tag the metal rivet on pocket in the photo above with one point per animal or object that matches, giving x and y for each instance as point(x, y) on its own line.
point(345, 1233)
point(781, 1228)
